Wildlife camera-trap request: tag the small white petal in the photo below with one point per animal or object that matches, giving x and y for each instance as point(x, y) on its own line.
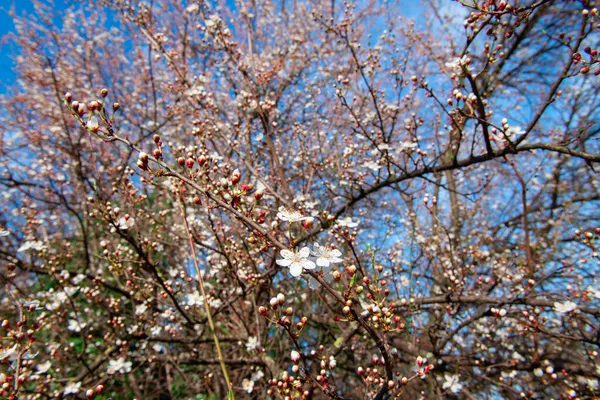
point(307, 264)
point(304, 252)
point(296, 269)
point(285, 253)
point(322, 262)
point(335, 253)
point(283, 262)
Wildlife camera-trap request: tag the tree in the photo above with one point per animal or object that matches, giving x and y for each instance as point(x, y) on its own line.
point(302, 200)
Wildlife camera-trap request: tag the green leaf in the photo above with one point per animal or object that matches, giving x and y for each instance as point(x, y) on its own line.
point(338, 342)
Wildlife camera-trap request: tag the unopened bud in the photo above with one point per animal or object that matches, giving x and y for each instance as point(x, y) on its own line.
point(235, 177)
point(281, 298)
point(104, 92)
point(336, 275)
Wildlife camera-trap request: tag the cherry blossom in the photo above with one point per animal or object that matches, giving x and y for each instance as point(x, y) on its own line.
point(566, 307)
point(296, 261)
point(326, 256)
point(119, 366)
point(290, 215)
point(72, 388)
point(452, 382)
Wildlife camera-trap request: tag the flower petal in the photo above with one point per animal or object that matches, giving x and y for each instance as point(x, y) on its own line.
point(322, 262)
point(304, 252)
point(285, 253)
point(307, 264)
point(296, 269)
point(283, 262)
point(335, 253)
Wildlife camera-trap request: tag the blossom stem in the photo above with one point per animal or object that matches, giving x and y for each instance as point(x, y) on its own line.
point(230, 393)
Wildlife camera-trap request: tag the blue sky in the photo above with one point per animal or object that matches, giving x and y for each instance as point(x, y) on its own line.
point(6, 48)
point(23, 7)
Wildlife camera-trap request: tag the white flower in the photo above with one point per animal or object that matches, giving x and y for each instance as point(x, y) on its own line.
point(452, 382)
point(194, 299)
point(78, 279)
point(92, 124)
point(192, 7)
point(32, 244)
point(296, 261)
point(10, 353)
point(156, 330)
point(538, 372)
point(593, 292)
point(456, 65)
point(289, 215)
point(513, 131)
point(72, 388)
point(125, 222)
point(252, 343)
point(141, 309)
point(75, 325)
point(215, 303)
point(372, 165)
point(326, 256)
point(212, 22)
point(295, 356)
point(565, 307)
point(118, 366)
point(257, 375)
point(347, 222)
point(517, 356)
point(43, 367)
point(248, 385)
point(31, 304)
point(159, 348)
